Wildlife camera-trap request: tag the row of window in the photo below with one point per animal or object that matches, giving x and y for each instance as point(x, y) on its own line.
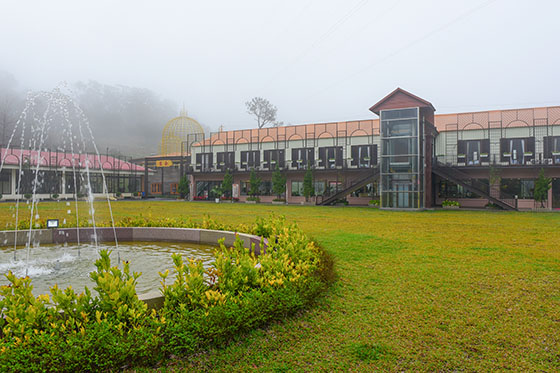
point(515, 151)
point(362, 156)
point(50, 182)
point(522, 188)
point(211, 189)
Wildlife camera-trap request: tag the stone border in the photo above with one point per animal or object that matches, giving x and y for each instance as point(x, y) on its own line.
point(131, 234)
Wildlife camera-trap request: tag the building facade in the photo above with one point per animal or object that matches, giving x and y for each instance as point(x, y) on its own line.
point(66, 175)
point(409, 158)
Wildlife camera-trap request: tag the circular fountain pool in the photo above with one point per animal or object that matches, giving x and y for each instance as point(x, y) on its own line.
point(70, 265)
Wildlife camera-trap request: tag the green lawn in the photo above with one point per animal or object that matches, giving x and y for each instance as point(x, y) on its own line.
point(440, 290)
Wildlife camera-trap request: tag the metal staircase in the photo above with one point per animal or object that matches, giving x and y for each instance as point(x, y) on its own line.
point(494, 195)
point(330, 198)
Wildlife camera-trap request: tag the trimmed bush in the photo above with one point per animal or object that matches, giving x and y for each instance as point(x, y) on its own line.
point(114, 329)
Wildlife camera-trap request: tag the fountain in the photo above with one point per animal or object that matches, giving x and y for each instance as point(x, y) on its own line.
point(75, 170)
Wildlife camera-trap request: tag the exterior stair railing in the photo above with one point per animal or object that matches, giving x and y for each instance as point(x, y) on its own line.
point(336, 194)
point(494, 195)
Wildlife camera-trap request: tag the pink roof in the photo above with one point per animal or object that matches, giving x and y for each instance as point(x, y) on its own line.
point(60, 159)
point(539, 116)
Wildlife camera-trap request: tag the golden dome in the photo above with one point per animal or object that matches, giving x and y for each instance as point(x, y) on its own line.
point(181, 129)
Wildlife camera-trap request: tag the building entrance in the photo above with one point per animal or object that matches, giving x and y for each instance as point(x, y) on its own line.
point(556, 194)
point(402, 195)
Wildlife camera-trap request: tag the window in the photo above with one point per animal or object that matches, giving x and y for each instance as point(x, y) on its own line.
point(517, 151)
point(156, 188)
point(204, 161)
point(225, 160)
point(273, 158)
point(301, 157)
point(207, 189)
point(250, 159)
point(522, 188)
point(5, 182)
point(297, 188)
point(364, 156)
point(330, 157)
point(320, 187)
point(370, 190)
point(552, 148)
point(448, 189)
point(473, 152)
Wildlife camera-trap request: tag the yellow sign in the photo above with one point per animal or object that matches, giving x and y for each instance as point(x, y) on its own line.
point(164, 163)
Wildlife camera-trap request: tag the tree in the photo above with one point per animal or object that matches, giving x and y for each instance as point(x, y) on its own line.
point(227, 183)
point(183, 188)
point(254, 184)
point(263, 111)
point(308, 189)
point(278, 183)
point(542, 185)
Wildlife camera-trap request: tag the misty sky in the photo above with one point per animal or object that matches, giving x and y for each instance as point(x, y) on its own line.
point(315, 60)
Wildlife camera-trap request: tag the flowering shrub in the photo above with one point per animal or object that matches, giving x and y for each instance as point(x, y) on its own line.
point(450, 203)
point(67, 331)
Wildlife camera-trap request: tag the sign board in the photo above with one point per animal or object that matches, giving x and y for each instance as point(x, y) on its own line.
point(235, 190)
point(164, 163)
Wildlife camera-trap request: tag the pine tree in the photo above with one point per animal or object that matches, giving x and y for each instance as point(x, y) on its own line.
point(227, 183)
point(278, 183)
point(308, 189)
point(542, 185)
point(183, 188)
point(254, 184)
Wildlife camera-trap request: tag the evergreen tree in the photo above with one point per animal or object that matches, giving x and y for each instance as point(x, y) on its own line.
point(542, 185)
point(183, 188)
point(254, 184)
point(308, 189)
point(278, 183)
point(227, 183)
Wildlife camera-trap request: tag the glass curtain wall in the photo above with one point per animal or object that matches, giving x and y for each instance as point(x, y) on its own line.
point(401, 159)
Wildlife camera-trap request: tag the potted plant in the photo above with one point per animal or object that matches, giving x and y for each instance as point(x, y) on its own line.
point(450, 205)
point(373, 203)
point(528, 154)
point(119, 195)
point(27, 195)
point(555, 153)
point(461, 155)
point(54, 196)
point(507, 154)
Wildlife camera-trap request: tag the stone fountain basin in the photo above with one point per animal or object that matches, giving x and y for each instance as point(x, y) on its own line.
point(131, 234)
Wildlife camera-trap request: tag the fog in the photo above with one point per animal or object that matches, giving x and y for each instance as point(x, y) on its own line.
point(134, 64)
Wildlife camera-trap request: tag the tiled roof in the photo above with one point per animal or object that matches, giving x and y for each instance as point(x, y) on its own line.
point(60, 159)
point(443, 122)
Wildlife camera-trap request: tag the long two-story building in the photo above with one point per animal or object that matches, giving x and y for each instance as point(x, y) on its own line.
point(408, 158)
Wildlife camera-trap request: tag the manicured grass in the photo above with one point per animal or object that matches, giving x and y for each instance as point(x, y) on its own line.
point(442, 290)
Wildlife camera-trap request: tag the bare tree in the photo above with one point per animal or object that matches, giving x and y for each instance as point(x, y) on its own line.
point(263, 111)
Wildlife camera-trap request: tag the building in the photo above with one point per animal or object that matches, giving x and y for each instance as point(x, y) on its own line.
point(66, 174)
point(409, 158)
point(163, 171)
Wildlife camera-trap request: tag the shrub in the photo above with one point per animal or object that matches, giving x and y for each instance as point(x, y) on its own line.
point(253, 198)
point(450, 203)
point(27, 195)
point(54, 196)
point(82, 332)
point(374, 202)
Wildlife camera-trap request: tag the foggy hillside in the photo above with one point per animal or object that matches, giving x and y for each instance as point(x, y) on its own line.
point(127, 120)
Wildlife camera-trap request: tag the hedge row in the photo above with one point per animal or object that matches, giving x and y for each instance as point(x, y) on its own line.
point(66, 331)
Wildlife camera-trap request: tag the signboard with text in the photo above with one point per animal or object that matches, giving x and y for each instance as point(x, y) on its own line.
point(164, 163)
